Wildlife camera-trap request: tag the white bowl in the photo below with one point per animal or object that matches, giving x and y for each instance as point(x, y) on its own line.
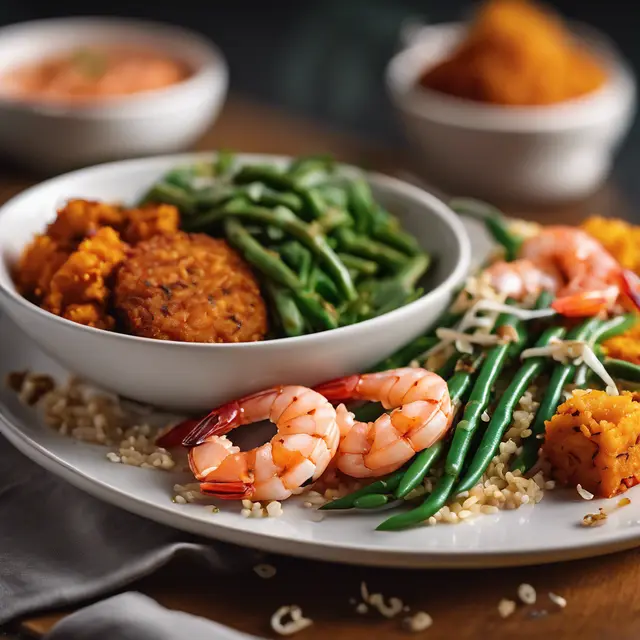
point(523, 154)
point(55, 138)
point(194, 377)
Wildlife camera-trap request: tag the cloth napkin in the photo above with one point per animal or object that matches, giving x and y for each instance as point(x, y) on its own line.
point(61, 547)
point(132, 616)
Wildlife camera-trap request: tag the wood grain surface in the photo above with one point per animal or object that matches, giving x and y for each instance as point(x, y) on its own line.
point(602, 593)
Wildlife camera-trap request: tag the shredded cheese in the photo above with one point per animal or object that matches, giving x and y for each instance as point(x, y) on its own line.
point(591, 360)
point(518, 312)
point(477, 338)
point(578, 352)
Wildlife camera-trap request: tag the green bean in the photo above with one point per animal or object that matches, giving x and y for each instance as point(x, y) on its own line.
point(271, 198)
point(462, 436)
point(421, 465)
point(331, 219)
point(290, 223)
point(478, 400)
point(320, 314)
point(268, 174)
point(166, 193)
point(383, 485)
point(386, 228)
point(289, 315)
point(458, 385)
point(561, 374)
point(301, 168)
point(334, 195)
point(494, 221)
point(503, 414)
point(361, 204)
point(364, 247)
point(613, 327)
point(298, 257)
point(224, 162)
point(438, 496)
point(321, 283)
point(312, 200)
point(361, 265)
point(622, 369)
point(267, 262)
point(390, 293)
point(181, 177)
point(371, 501)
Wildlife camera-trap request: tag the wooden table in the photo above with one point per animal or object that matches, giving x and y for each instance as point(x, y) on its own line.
point(602, 593)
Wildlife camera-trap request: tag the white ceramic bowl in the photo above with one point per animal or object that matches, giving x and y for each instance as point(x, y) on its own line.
point(54, 138)
point(189, 376)
point(522, 154)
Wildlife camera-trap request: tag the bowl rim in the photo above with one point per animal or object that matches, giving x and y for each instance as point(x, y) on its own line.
point(404, 68)
point(212, 71)
point(408, 191)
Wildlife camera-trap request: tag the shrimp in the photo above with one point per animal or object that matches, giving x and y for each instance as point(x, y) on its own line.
point(586, 278)
point(521, 279)
point(422, 414)
point(306, 441)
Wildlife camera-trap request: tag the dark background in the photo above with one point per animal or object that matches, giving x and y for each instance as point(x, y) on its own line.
point(325, 58)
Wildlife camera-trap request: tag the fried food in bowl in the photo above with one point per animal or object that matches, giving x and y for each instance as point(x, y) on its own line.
point(190, 288)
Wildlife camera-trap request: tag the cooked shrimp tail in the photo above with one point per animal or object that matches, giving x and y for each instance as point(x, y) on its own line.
point(339, 389)
point(227, 490)
point(176, 435)
point(587, 303)
point(217, 423)
point(630, 284)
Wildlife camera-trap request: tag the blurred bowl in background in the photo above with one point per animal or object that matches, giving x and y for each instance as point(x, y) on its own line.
point(526, 155)
point(54, 137)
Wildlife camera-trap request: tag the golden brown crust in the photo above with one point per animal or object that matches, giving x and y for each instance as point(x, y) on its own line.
point(80, 218)
point(190, 288)
point(85, 278)
point(149, 221)
point(39, 261)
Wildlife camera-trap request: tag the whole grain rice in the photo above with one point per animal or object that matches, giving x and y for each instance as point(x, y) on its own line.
point(420, 621)
point(506, 608)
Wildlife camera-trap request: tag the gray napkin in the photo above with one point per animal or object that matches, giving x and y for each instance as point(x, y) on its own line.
point(60, 547)
point(132, 616)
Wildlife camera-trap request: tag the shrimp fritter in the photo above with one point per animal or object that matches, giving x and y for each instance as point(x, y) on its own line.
point(149, 221)
point(85, 279)
point(190, 288)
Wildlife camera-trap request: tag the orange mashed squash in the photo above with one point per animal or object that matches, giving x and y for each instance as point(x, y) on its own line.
point(594, 440)
point(517, 54)
point(92, 74)
point(621, 239)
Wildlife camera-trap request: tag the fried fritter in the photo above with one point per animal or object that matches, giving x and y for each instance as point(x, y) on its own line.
point(190, 288)
point(149, 221)
point(39, 261)
point(80, 218)
point(89, 314)
point(85, 277)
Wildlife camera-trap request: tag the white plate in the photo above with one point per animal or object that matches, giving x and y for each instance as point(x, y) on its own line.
point(548, 532)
